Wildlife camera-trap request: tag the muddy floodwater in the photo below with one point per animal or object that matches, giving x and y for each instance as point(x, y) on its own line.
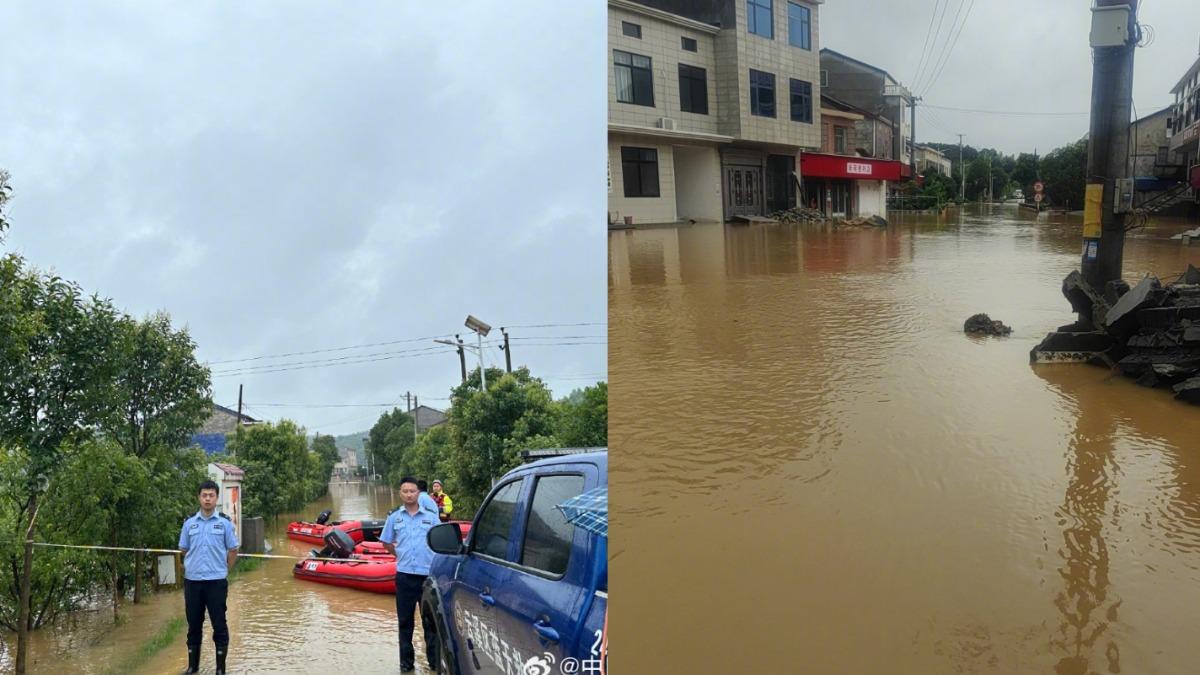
point(814, 469)
point(277, 624)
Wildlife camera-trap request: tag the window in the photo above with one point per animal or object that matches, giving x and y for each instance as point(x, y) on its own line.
point(693, 90)
point(839, 140)
point(490, 536)
point(631, 29)
point(635, 83)
point(799, 26)
point(640, 166)
point(801, 101)
point(547, 545)
point(824, 78)
point(758, 18)
point(762, 93)
point(688, 44)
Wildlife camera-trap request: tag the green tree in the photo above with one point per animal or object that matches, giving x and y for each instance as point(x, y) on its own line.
point(489, 429)
point(388, 440)
point(1064, 172)
point(583, 421)
point(1025, 172)
point(275, 459)
point(55, 378)
point(429, 457)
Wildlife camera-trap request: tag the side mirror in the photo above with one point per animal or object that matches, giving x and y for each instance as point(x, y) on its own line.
point(445, 539)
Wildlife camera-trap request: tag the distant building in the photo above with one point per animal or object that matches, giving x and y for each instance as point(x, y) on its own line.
point(1183, 130)
point(428, 418)
point(930, 159)
point(872, 89)
point(211, 434)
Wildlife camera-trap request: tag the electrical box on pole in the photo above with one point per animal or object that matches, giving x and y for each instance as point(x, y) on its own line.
point(1123, 195)
point(1110, 26)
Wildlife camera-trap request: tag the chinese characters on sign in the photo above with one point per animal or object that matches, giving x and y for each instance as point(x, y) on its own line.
point(858, 168)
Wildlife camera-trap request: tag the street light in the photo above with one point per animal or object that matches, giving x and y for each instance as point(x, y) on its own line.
point(481, 330)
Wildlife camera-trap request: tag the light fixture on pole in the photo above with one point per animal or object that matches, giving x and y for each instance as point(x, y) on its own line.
point(481, 330)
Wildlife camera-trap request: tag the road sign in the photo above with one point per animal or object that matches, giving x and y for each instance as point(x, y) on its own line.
point(1037, 187)
point(1037, 197)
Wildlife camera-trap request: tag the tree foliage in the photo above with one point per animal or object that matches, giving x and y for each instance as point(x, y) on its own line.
point(583, 418)
point(1064, 171)
point(282, 475)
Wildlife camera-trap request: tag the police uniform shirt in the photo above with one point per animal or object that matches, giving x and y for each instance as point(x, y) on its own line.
point(407, 533)
point(426, 503)
point(207, 542)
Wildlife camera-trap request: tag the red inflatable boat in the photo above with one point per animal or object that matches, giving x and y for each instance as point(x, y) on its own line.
point(314, 533)
point(375, 573)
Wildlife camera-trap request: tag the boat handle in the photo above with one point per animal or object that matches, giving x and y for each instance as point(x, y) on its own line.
point(486, 597)
point(544, 631)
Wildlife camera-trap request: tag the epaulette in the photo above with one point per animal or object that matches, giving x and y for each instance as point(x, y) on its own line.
point(219, 513)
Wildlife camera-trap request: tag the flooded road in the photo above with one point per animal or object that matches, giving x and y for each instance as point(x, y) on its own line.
point(816, 471)
point(277, 624)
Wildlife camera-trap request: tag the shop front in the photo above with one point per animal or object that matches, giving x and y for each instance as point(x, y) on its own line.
point(843, 186)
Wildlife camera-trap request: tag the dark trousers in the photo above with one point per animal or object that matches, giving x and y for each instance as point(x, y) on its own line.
point(408, 594)
point(199, 596)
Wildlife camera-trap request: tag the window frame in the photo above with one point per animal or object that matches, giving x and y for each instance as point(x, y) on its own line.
point(685, 40)
point(755, 89)
point(703, 80)
point(805, 21)
point(640, 162)
point(839, 128)
point(792, 94)
point(471, 549)
point(636, 32)
point(752, 17)
point(633, 69)
point(529, 516)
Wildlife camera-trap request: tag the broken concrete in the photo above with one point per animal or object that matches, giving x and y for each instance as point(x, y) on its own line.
point(982, 324)
point(1149, 332)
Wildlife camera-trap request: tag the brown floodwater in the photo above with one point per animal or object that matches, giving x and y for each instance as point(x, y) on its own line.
point(277, 624)
point(814, 470)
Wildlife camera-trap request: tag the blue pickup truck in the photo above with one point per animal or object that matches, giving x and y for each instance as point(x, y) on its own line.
point(527, 592)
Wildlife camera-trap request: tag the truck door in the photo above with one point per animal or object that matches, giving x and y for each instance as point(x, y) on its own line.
point(542, 606)
point(482, 573)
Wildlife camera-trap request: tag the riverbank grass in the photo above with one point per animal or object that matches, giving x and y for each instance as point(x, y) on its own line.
point(155, 644)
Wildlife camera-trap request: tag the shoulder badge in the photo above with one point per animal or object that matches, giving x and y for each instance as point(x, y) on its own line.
point(219, 513)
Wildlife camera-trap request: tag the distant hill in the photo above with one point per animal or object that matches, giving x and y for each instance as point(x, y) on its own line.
point(352, 440)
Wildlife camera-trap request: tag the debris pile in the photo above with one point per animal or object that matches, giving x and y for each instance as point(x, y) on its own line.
point(799, 214)
point(982, 324)
point(1149, 332)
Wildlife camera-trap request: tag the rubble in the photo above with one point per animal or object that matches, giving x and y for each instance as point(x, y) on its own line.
point(984, 325)
point(799, 214)
point(1149, 332)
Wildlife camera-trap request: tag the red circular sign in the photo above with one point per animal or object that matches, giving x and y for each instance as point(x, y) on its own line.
point(1037, 187)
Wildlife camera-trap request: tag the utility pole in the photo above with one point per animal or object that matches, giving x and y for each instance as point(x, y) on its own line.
point(414, 414)
point(1112, 93)
point(962, 173)
point(507, 351)
point(912, 136)
point(237, 430)
point(407, 400)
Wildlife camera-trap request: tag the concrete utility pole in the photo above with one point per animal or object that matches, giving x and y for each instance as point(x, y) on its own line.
point(416, 405)
point(237, 429)
point(1112, 93)
point(912, 137)
point(962, 173)
point(507, 351)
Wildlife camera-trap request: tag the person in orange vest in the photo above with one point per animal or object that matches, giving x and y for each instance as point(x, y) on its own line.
point(445, 504)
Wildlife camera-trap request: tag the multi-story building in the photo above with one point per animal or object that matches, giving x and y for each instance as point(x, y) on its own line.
point(1183, 130)
point(872, 89)
point(710, 103)
point(847, 178)
point(931, 159)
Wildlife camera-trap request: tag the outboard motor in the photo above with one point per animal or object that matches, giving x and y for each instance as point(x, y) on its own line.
point(372, 529)
point(339, 544)
point(324, 517)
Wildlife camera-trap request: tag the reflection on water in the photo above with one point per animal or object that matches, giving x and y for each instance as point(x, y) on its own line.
point(839, 480)
point(277, 624)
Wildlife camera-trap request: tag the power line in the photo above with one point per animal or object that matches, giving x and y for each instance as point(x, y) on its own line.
point(1006, 112)
point(331, 349)
point(946, 59)
point(553, 325)
point(314, 366)
point(925, 54)
point(246, 369)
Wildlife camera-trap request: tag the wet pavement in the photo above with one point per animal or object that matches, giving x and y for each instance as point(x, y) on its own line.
point(815, 470)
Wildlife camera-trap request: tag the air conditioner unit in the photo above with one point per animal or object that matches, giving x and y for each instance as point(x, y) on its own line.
point(666, 123)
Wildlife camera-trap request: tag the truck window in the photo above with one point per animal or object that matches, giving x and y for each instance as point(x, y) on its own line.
point(490, 536)
point(547, 544)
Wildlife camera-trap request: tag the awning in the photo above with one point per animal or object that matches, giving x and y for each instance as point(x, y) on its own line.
point(817, 165)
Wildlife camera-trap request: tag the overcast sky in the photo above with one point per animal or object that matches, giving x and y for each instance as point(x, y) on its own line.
point(1011, 55)
point(286, 177)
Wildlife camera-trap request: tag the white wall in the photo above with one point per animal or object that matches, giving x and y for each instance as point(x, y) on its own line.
point(659, 209)
point(697, 183)
point(872, 198)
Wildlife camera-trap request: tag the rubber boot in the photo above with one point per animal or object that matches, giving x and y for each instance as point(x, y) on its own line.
point(221, 661)
point(193, 660)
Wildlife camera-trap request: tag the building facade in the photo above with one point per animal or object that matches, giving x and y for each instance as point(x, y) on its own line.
point(845, 179)
point(874, 90)
point(709, 104)
point(1183, 129)
point(931, 159)
point(221, 421)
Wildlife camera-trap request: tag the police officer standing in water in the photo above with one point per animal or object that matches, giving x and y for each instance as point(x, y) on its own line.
point(209, 545)
point(404, 536)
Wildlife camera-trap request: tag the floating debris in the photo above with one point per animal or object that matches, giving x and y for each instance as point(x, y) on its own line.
point(982, 324)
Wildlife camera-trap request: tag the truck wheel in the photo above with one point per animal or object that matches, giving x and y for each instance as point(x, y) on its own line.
point(443, 666)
